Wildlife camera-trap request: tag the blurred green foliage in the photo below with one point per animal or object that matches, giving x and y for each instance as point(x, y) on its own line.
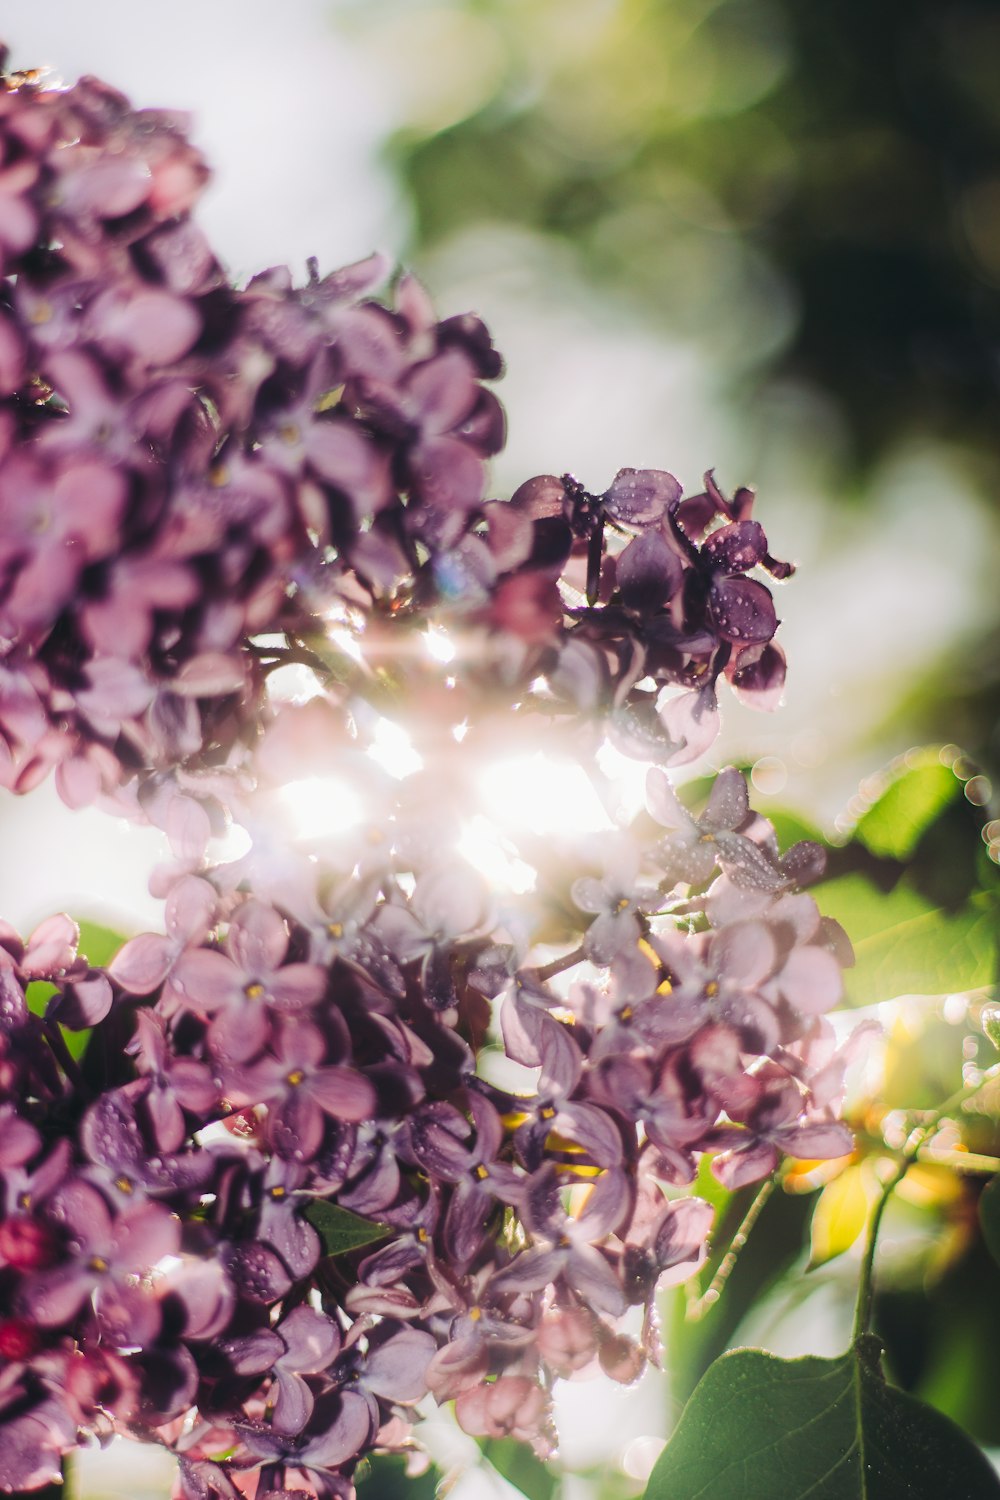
point(814, 185)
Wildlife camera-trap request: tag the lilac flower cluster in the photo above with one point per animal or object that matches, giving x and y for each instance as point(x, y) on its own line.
point(195, 478)
point(352, 1131)
point(279, 1200)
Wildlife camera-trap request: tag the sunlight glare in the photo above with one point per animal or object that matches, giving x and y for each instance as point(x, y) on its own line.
point(485, 848)
point(393, 749)
point(230, 846)
point(347, 641)
point(293, 683)
point(540, 794)
point(320, 807)
point(628, 778)
point(439, 644)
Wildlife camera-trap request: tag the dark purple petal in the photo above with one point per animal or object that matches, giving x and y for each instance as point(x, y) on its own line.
point(736, 548)
point(292, 1400)
point(743, 610)
point(648, 572)
point(639, 497)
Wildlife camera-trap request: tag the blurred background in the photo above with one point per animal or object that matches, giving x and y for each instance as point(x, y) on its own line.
point(749, 235)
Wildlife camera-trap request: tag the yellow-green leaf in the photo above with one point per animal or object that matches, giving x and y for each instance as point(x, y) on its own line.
point(840, 1215)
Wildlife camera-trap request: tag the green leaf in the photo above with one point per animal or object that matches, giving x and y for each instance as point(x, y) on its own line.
point(917, 793)
point(840, 1215)
point(763, 1428)
point(520, 1467)
point(385, 1476)
point(98, 944)
point(340, 1230)
point(905, 945)
point(989, 1217)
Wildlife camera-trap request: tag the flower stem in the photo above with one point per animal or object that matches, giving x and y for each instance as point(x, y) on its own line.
point(910, 1153)
point(700, 1305)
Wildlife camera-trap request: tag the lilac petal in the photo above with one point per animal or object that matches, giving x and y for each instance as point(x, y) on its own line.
point(312, 1341)
point(111, 1137)
point(293, 1402)
point(489, 1126)
point(439, 1140)
point(744, 952)
point(256, 1273)
point(663, 804)
point(190, 908)
point(469, 1213)
point(205, 1295)
point(129, 1317)
point(530, 1271)
point(561, 1060)
point(743, 610)
point(19, 1140)
point(295, 1240)
point(346, 1435)
point(169, 1379)
point(521, 1025)
point(83, 1003)
point(295, 1126)
point(758, 676)
point(736, 548)
point(811, 980)
point(739, 1168)
point(681, 1242)
point(52, 1298)
point(33, 1443)
point(391, 1263)
point(343, 1093)
point(728, 804)
point(397, 1369)
point(344, 457)
point(691, 722)
point(210, 674)
point(451, 902)
point(609, 934)
point(252, 1353)
point(369, 343)
point(593, 1129)
point(589, 1273)
point(297, 986)
point(145, 1235)
point(193, 1085)
point(51, 948)
point(240, 1031)
point(804, 863)
point(83, 1213)
point(639, 497)
point(606, 1207)
point(258, 939)
point(648, 572)
point(444, 390)
point(400, 931)
point(200, 1479)
point(822, 1142)
point(589, 894)
point(187, 826)
point(206, 980)
point(747, 864)
point(166, 1118)
point(447, 476)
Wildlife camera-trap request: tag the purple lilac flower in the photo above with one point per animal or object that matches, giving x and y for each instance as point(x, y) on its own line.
point(280, 1199)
